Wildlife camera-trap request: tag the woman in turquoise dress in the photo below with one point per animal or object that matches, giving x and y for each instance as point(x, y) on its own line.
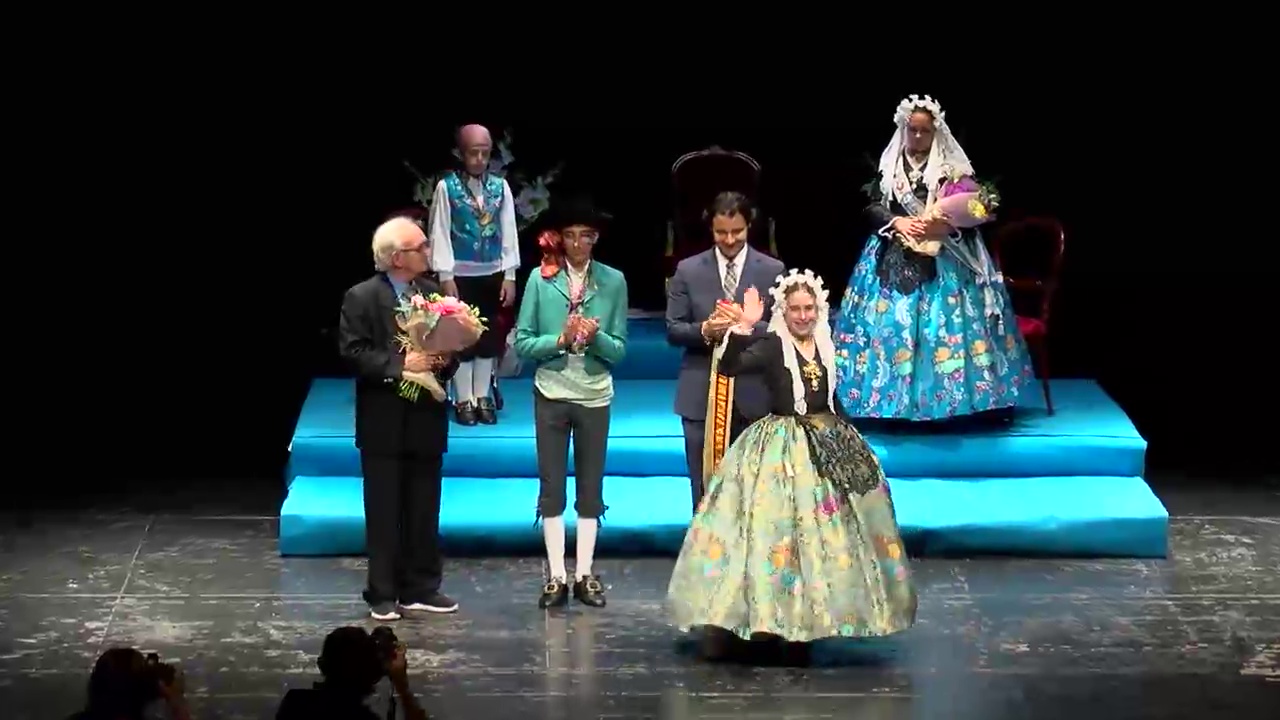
point(926, 330)
point(796, 538)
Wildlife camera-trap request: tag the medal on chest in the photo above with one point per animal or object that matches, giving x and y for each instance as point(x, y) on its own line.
point(483, 216)
point(812, 373)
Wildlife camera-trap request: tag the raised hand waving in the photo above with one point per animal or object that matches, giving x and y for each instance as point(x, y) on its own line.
point(752, 308)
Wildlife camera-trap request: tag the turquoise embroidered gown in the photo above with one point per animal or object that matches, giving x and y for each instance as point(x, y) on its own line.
point(914, 338)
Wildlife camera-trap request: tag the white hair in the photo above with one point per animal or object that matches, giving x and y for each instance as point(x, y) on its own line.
point(389, 238)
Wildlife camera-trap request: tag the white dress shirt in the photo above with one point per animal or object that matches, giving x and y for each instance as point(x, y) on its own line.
point(739, 262)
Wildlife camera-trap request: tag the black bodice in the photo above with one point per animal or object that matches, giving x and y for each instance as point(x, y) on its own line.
point(761, 353)
point(899, 267)
point(814, 379)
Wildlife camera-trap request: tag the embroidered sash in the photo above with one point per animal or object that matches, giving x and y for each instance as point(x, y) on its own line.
point(715, 439)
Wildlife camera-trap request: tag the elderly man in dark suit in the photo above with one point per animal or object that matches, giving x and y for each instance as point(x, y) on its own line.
point(700, 282)
point(402, 443)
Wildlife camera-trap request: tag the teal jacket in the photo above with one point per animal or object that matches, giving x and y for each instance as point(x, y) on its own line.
point(545, 308)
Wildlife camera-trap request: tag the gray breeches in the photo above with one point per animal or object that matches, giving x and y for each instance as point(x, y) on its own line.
point(554, 422)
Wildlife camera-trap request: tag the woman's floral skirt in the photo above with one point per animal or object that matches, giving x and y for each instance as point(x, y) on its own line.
point(795, 538)
point(921, 346)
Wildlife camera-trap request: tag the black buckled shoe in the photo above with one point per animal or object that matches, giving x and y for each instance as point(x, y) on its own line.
point(589, 591)
point(485, 412)
point(465, 413)
point(554, 594)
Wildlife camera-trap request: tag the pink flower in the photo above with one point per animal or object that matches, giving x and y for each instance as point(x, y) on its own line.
point(418, 301)
point(964, 184)
point(830, 505)
point(449, 306)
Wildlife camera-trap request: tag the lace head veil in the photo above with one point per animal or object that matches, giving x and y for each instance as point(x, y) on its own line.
point(821, 332)
point(945, 155)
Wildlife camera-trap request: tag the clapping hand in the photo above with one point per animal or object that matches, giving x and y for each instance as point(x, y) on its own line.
point(572, 326)
point(752, 310)
point(587, 329)
point(722, 318)
point(727, 311)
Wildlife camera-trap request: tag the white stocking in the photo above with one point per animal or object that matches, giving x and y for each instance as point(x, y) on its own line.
point(482, 377)
point(553, 536)
point(462, 384)
point(587, 528)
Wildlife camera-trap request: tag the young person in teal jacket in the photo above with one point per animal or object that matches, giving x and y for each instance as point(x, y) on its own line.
point(573, 325)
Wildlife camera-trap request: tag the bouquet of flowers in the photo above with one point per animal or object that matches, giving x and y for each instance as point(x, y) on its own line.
point(965, 203)
point(434, 324)
point(532, 196)
point(962, 203)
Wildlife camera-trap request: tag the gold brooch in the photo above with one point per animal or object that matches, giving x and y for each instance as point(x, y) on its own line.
point(812, 372)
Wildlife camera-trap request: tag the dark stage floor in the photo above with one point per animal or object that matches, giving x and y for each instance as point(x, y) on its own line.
point(1197, 636)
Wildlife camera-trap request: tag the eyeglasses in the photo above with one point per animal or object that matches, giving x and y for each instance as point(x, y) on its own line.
point(419, 248)
point(589, 238)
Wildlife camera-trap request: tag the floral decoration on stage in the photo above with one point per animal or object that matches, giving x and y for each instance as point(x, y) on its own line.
point(434, 324)
point(532, 194)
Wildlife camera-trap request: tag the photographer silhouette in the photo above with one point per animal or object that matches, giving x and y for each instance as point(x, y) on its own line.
point(124, 682)
point(353, 662)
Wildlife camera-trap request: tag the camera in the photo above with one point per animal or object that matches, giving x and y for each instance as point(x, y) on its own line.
point(159, 673)
point(386, 643)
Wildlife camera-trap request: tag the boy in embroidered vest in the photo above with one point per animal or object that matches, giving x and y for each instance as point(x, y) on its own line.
point(573, 324)
point(476, 253)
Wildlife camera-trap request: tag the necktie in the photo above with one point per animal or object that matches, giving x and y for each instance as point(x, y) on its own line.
point(730, 281)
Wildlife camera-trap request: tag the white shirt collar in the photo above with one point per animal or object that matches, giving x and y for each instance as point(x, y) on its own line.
point(739, 261)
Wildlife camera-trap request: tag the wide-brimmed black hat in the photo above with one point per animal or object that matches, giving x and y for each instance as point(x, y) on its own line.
point(576, 210)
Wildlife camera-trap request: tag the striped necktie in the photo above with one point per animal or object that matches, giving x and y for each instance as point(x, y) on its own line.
point(730, 280)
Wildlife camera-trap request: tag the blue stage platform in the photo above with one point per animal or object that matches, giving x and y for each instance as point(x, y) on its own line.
point(1067, 485)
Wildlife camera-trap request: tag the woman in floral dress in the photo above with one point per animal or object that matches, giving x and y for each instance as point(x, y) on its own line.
point(926, 330)
point(796, 538)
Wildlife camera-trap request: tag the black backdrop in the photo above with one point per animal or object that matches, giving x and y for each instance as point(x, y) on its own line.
point(1148, 307)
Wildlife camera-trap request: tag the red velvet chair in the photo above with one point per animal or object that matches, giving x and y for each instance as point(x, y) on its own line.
point(1029, 253)
point(696, 179)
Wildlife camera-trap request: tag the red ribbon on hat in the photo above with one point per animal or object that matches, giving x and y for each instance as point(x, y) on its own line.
point(552, 253)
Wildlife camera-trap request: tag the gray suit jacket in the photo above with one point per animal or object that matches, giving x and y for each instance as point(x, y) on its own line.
point(692, 294)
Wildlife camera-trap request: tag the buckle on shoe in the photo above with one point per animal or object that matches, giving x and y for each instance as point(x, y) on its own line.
point(551, 588)
point(593, 585)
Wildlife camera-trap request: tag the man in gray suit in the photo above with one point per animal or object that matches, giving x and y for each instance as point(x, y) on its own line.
point(722, 273)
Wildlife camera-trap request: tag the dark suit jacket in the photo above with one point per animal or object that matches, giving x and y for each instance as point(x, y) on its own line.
point(692, 294)
point(385, 422)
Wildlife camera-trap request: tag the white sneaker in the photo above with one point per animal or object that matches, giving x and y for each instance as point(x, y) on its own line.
point(384, 613)
point(438, 603)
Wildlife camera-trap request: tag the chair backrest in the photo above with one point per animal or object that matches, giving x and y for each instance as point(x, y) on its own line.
point(696, 179)
point(1029, 254)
